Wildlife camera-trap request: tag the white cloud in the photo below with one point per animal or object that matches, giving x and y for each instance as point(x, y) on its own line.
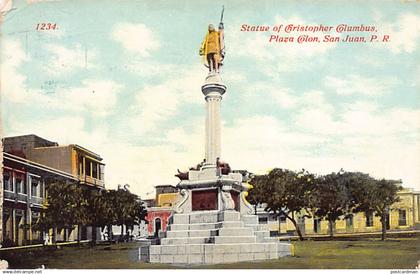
point(356, 84)
point(95, 96)
point(150, 69)
point(284, 98)
point(65, 59)
point(404, 33)
point(361, 118)
point(13, 83)
point(137, 38)
point(161, 102)
point(260, 143)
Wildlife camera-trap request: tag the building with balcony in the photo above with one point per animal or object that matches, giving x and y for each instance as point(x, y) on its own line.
point(73, 159)
point(29, 163)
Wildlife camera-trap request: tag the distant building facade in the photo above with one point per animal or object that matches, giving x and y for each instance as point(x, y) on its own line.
point(158, 214)
point(404, 215)
point(29, 162)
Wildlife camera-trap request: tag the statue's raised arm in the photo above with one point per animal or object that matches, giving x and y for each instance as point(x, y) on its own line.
point(213, 47)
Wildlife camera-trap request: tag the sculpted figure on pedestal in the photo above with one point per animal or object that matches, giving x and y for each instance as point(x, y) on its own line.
point(213, 47)
point(228, 203)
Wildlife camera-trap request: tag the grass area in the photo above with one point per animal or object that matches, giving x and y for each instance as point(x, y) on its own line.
point(357, 254)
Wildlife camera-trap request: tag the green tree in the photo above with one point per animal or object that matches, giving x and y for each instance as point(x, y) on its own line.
point(257, 195)
point(288, 193)
point(375, 196)
point(127, 208)
point(70, 204)
point(331, 198)
point(97, 211)
point(62, 209)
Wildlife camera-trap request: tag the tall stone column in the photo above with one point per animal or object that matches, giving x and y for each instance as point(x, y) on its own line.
point(213, 89)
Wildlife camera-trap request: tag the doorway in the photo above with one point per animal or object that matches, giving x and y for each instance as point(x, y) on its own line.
point(387, 221)
point(158, 226)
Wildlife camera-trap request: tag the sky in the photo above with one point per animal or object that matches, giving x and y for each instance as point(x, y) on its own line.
point(123, 78)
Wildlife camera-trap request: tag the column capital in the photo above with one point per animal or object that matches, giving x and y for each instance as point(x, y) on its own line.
point(213, 84)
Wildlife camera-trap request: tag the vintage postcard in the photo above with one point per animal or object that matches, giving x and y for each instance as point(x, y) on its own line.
point(210, 134)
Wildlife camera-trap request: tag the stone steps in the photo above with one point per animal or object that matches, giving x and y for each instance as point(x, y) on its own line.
point(174, 227)
point(258, 227)
point(270, 240)
point(234, 239)
point(214, 237)
point(262, 234)
point(186, 240)
point(249, 219)
point(207, 240)
point(205, 217)
point(214, 254)
point(224, 231)
point(241, 231)
point(192, 233)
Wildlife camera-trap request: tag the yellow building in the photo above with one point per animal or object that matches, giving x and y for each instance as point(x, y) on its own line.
point(73, 159)
point(404, 215)
point(167, 199)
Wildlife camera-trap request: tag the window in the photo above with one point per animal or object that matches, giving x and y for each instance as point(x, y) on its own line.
point(88, 167)
point(101, 172)
point(263, 220)
point(369, 219)
point(35, 187)
point(402, 217)
point(94, 170)
point(20, 183)
point(7, 180)
point(349, 221)
point(317, 225)
point(80, 161)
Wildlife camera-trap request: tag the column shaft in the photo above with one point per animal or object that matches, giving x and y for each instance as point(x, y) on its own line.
point(213, 126)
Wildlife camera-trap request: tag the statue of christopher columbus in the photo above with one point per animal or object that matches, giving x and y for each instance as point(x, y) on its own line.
point(213, 47)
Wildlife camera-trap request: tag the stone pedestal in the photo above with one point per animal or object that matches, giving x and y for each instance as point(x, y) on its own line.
point(225, 232)
point(212, 237)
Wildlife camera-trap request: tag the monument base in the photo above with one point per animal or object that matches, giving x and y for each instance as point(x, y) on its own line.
point(212, 237)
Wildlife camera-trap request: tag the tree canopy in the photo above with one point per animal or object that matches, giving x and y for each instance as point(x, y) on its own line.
point(69, 204)
point(285, 192)
point(329, 197)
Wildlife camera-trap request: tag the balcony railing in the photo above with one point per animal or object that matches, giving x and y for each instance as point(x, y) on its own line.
point(36, 200)
point(17, 197)
point(10, 195)
point(91, 181)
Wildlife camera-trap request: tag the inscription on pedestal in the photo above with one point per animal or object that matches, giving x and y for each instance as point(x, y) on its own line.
point(204, 200)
